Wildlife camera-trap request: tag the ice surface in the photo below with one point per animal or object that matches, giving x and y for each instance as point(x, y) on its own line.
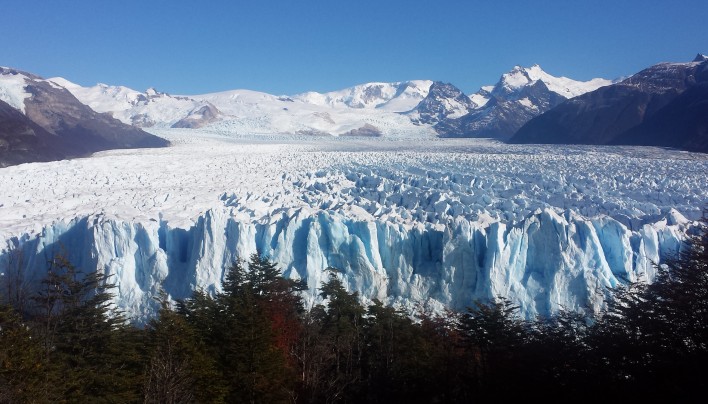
point(435, 222)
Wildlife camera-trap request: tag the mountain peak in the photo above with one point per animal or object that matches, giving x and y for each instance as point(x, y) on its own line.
point(522, 77)
point(700, 58)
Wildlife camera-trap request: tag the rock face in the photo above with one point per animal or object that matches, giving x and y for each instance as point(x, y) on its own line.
point(22, 140)
point(664, 105)
point(199, 117)
point(443, 103)
point(504, 114)
point(49, 123)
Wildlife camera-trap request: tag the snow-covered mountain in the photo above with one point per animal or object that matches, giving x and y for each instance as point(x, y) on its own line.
point(371, 108)
point(513, 82)
point(400, 109)
point(394, 97)
point(663, 105)
point(142, 109)
point(40, 121)
point(443, 102)
point(518, 96)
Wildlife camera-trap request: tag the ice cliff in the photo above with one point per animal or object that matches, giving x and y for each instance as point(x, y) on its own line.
point(543, 263)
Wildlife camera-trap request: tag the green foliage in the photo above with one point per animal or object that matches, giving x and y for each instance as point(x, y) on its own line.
point(655, 336)
point(22, 365)
point(341, 340)
point(251, 329)
point(179, 370)
point(397, 360)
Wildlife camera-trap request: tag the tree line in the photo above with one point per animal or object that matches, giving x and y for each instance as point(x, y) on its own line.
point(254, 342)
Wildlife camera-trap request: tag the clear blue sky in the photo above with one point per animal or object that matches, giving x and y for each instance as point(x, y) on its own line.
point(286, 47)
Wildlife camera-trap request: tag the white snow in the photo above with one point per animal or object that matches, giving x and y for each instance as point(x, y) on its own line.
point(527, 103)
point(520, 77)
point(393, 97)
point(564, 86)
point(479, 99)
point(246, 112)
point(434, 222)
point(130, 106)
point(12, 89)
point(516, 78)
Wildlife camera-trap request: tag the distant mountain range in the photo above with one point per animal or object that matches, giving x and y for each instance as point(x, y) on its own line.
point(664, 105)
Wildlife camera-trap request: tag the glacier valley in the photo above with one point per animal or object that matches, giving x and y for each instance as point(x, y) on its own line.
point(419, 223)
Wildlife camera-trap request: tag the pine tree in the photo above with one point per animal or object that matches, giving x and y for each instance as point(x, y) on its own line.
point(655, 336)
point(180, 369)
point(495, 336)
point(252, 328)
point(87, 343)
point(396, 362)
point(22, 364)
point(341, 334)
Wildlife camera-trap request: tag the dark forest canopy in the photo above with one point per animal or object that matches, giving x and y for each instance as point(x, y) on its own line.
point(255, 342)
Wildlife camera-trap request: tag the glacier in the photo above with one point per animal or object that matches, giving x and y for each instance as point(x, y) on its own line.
point(414, 224)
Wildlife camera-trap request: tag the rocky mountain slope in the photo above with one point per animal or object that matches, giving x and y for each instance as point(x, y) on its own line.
point(663, 105)
point(42, 121)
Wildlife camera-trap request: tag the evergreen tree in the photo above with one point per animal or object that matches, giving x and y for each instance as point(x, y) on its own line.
point(180, 370)
point(22, 364)
point(86, 342)
point(655, 336)
point(396, 359)
point(494, 336)
point(341, 334)
point(252, 328)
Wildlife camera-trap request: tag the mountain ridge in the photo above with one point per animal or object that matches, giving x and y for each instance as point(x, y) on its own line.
point(42, 121)
point(647, 108)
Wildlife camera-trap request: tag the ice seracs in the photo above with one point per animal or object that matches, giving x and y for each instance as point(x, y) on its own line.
point(411, 223)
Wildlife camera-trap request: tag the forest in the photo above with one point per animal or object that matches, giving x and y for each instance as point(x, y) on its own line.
point(255, 342)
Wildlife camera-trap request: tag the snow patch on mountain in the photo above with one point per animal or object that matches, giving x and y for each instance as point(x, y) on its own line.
point(12, 88)
point(481, 97)
point(520, 77)
point(519, 96)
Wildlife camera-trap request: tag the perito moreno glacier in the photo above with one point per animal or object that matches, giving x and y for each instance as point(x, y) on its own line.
point(420, 224)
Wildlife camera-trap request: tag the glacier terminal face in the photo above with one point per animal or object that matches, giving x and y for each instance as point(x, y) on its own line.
point(436, 224)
